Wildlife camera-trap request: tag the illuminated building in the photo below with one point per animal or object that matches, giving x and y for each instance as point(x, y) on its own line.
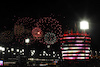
point(75, 46)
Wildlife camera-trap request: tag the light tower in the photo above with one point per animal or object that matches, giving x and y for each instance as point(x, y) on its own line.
point(76, 46)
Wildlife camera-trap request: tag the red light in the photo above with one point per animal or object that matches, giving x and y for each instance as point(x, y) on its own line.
point(65, 35)
point(71, 41)
point(88, 38)
point(88, 41)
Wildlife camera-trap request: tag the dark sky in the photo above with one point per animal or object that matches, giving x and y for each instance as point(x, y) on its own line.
point(68, 13)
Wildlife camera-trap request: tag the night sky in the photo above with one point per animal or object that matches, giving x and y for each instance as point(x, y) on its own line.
point(68, 13)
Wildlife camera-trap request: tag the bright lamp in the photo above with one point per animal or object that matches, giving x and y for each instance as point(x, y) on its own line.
point(12, 49)
point(84, 25)
point(3, 49)
point(27, 40)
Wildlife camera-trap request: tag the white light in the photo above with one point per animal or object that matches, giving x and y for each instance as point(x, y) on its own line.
point(12, 49)
point(84, 25)
point(99, 51)
point(48, 46)
point(22, 53)
point(95, 51)
point(38, 32)
point(8, 50)
point(31, 59)
point(3, 49)
point(58, 57)
point(60, 47)
point(22, 50)
point(53, 55)
point(14, 53)
point(49, 54)
point(66, 48)
point(1, 63)
point(40, 54)
point(71, 51)
point(53, 52)
point(57, 54)
point(87, 54)
point(27, 40)
point(17, 50)
point(87, 51)
point(44, 52)
point(3, 52)
point(32, 52)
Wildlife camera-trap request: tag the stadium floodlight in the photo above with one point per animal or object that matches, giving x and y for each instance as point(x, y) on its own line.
point(27, 40)
point(84, 25)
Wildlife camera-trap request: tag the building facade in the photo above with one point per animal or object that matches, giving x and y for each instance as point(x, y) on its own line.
point(75, 46)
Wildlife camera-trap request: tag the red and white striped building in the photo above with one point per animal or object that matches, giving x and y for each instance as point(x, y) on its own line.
point(75, 46)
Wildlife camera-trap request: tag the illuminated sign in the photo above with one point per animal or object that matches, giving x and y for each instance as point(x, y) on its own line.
point(1, 63)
